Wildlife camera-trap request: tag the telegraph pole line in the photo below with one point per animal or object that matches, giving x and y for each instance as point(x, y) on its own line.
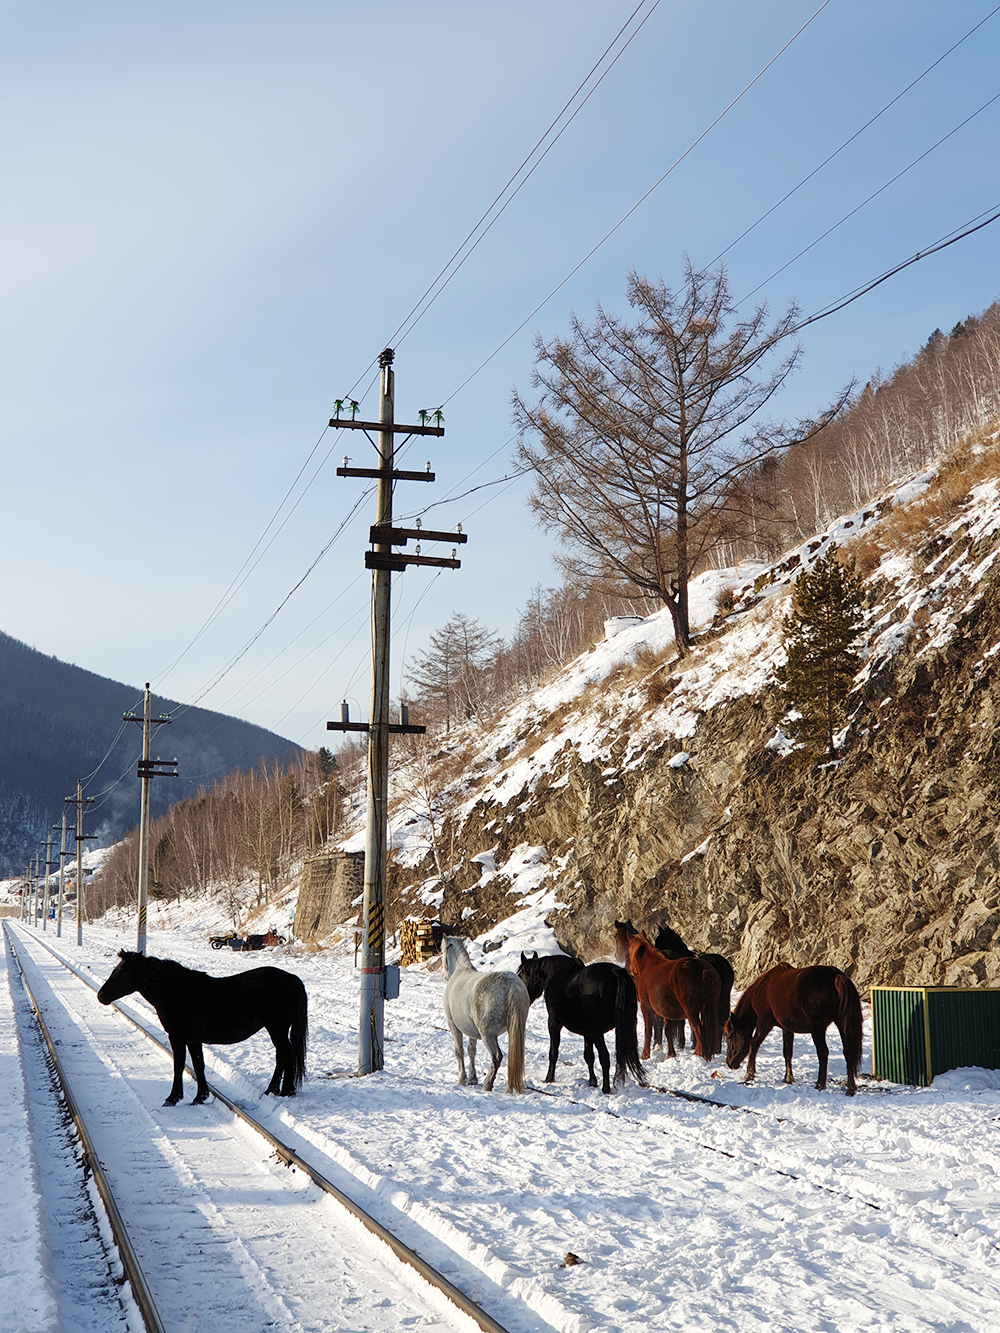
point(147, 769)
point(383, 561)
point(80, 801)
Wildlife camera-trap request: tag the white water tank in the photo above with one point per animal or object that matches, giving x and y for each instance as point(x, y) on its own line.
point(616, 624)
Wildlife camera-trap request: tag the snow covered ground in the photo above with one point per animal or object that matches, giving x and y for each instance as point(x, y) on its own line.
point(789, 1209)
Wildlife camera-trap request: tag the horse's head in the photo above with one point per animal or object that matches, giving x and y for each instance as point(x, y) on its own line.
point(455, 954)
point(626, 937)
point(738, 1033)
point(669, 941)
point(124, 979)
point(531, 973)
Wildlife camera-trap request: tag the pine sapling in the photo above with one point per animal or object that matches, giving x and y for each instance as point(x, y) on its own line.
point(821, 662)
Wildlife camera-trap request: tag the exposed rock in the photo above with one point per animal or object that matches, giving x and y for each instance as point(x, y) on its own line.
point(884, 863)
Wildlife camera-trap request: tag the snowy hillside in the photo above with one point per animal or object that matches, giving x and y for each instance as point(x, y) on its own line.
point(621, 774)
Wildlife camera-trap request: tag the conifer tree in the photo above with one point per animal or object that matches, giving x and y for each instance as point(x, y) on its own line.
point(819, 635)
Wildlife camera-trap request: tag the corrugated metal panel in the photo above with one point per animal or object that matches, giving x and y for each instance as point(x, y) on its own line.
point(918, 1033)
point(964, 1028)
point(898, 1035)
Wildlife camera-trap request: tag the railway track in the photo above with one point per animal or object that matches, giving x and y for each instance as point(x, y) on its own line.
point(429, 1298)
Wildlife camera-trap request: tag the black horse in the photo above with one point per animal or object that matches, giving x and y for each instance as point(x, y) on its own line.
point(670, 943)
point(194, 1008)
point(589, 1001)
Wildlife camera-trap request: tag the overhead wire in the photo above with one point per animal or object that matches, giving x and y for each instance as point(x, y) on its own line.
point(641, 200)
point(875, 193)
point(237, 657)
point(857, 133)
point(423, 304)
point(408, 324)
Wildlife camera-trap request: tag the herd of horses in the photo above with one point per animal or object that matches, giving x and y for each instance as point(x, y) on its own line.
point(670, 984)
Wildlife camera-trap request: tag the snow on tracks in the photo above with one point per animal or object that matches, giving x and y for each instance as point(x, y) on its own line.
point(226, 1240)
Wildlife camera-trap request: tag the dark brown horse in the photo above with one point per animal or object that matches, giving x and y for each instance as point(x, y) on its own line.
point(797, 999)
point(681, 988)
point(671, 945)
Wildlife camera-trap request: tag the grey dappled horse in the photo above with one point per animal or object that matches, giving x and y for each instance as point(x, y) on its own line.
point(482, 1005)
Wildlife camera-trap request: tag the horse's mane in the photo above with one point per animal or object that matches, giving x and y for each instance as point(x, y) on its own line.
point(167, 965)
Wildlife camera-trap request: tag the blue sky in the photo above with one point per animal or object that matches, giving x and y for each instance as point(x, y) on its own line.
point(215, 215)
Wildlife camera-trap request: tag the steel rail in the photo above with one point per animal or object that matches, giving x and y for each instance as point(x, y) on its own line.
point(129, 1259)
point(290, 1157)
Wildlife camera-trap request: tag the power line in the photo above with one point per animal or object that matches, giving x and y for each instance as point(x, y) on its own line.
point(942, 244)
point(944, 138)
point(795, 188)
point(407, 326)
point(220, 676)
point(641, 200)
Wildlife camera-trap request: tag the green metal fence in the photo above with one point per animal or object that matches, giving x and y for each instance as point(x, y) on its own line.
point(919, 1032)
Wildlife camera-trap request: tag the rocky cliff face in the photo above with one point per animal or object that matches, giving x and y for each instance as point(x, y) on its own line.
point(663, 790)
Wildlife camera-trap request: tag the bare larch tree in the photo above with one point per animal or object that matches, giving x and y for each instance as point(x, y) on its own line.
point(647, 431)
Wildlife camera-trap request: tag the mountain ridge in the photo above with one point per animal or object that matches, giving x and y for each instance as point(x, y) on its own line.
point(58, 721)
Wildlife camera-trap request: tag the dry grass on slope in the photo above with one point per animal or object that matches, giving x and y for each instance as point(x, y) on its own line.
point(975, 459)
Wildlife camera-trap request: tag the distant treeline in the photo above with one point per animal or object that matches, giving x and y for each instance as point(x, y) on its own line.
point(237, 839)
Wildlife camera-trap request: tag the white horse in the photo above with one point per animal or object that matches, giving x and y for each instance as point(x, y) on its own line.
point(482, 1005)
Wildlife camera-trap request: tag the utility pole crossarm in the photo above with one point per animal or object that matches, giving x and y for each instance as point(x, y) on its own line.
point(382, 473)
point(380, 536)
point(397, 563)
point(395, 728)
point(342, 424)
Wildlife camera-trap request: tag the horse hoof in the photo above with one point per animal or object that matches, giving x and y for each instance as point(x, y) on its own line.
point(171, 1101)
point(200, 1100)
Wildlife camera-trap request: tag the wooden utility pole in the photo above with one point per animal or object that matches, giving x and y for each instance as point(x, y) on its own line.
point(34, 892)
point(384, 562)
point(49, 863)
point(80, 801)
point(62, 876)
point(147, 769)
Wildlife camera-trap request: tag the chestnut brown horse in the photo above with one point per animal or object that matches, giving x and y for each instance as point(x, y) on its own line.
point(797, 999)
point(681, 988)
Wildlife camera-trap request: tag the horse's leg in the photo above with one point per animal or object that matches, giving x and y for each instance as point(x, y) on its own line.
point(457, 1038)
point(647, 1025)
point(823, 1051)
point(176, 1092)
point(473, 1078)
point(787, 1042)
point(496, 1055)
point(764, 1026)
point(669, 1029)
point(198, 1064)
point(657, 1032)
point(281, 1084)
point(555, 1033)
point(588, 1055)
point(602, 1051)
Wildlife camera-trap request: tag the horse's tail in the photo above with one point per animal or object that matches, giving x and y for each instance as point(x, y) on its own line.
point(518, 1005)
point(298, 1034)
point(710, 987)
point(626, 1041)
point(849, 1022)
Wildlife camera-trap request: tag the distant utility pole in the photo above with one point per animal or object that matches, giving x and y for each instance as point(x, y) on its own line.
point(147, 768)
point(384, 562)
point(62, 876)
point(80, 801)
point(34, 891)
point(49, 863)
